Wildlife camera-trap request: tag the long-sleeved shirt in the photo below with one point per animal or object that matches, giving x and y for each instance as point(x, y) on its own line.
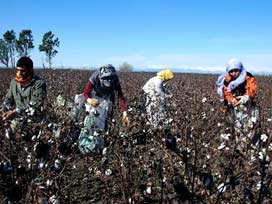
point(155, 87)
point(94, 88)
point(249, 88)
point(25, 96)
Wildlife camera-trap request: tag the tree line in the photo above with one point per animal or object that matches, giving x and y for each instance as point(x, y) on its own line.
point(11, 47)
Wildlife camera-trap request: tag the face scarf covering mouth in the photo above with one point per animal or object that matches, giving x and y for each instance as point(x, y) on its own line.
point(20, 79)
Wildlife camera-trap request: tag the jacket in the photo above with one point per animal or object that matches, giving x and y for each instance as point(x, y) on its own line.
point(94, 88)
point(248, 87)
point(25, 96)
point(155, 87)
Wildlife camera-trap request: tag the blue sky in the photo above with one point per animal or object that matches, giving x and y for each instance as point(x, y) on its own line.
point(191, 34)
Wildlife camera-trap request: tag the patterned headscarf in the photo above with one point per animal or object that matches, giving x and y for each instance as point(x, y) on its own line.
point(165, 74)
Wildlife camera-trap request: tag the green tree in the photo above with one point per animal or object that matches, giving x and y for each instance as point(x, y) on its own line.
point(10, 38)
point(48, 45)
point(4, 57)
point(25, 43)
point(125, 67)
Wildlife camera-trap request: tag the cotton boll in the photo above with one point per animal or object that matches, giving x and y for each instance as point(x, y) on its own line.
point(225, 136)
point(148, 190)
point(264, 137)
point(254, 119)
point(49, 182)
point(221, 187)
point(97, 173)
point(204, 100)
point(7, 134)
point(222, 146)
point(258, 186)
point(260, 156)
point(270, 146)
point(108, 172)
point(41, 165)
point(54, 199)
point(57, 163)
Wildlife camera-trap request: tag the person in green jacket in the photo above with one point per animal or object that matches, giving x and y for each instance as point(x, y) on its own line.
point(26, 94)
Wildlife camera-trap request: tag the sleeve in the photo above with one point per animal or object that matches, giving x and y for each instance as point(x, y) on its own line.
point(251, 87)
point(9, 99)
point(159, 89)
point(121, 98)
point(227, 94)
point(147, 87)
point(39, 94)
point(87, 90)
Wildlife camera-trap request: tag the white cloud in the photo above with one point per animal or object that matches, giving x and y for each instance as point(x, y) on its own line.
point(204, 62)
point(209, 62)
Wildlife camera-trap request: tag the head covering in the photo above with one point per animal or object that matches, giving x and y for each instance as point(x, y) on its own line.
point(107, 70)
point(107, 75)
point(219, 84)
point(25, 64)
point(234, 64)
point(165, 74)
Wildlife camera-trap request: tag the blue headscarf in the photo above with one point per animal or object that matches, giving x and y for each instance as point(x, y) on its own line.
point(232, 64)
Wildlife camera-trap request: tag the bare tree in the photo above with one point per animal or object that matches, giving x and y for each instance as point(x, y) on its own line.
point(125, 67)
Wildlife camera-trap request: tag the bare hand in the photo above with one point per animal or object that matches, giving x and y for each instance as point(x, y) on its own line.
point(125, 120)
point(9, 115)
point(236, 101)
point(93, 102)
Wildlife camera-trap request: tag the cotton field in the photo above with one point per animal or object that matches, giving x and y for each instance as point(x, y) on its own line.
point(196, 156)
